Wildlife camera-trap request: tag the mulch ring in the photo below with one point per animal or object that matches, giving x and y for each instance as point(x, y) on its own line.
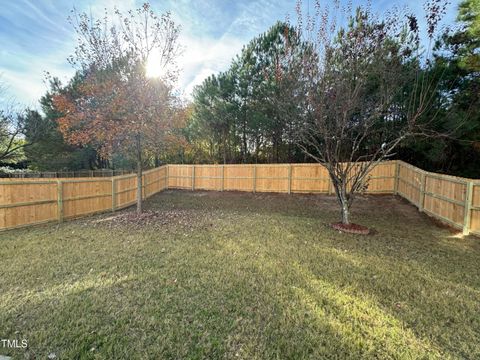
point(351, 228)
point(148, 218)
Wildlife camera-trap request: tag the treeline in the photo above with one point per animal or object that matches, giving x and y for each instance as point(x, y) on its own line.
point(36, 142)
point(31, 139)
point(457, 101)
point(241, 115)
point(246, 113)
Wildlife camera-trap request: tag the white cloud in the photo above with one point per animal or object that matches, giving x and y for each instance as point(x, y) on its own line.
point(205, 56)
point(26, 81)
point(213, 32)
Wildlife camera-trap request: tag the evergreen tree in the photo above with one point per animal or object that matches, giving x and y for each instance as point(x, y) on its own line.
point(457, 101)
point(50, 152)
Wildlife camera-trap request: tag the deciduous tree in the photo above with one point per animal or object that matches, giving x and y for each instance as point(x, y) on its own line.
point(119, 106)
point(49, 151)
point(366, 91)
point(13, 127)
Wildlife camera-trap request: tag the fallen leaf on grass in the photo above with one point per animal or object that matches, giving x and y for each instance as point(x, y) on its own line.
point(148, 218)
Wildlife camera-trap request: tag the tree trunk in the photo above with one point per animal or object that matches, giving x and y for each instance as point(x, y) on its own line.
point(224, 148)
point(139, 175)
point(343, 198)
point(345, 214)
point(244, 138)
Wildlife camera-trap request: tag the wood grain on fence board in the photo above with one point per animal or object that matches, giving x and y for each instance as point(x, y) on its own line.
point(25, 202)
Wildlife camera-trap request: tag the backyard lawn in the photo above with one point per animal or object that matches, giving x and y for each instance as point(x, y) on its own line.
point(243, 276)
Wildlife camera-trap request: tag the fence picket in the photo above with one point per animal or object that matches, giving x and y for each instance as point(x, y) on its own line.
point(448, 198)
point(60, 200)
point(468, 208)
point(114, 195)
point(421, 199)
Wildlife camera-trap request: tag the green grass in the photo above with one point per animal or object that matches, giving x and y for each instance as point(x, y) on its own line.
point(243, 276)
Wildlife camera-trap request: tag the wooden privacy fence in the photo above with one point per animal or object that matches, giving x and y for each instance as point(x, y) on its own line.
point(448, 198)
point(28, 201)
point(451, 199)
point(282, 178)
point(65, 174)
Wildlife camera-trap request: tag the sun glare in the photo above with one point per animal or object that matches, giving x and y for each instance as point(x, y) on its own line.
point(153, 67)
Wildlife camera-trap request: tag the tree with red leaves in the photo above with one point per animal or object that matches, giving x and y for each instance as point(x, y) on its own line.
point(118, 107)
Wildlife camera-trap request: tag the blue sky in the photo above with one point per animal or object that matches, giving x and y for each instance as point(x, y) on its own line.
point(35, 35)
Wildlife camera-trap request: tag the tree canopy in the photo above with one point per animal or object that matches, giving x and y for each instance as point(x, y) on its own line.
point(239, 115)
point(456, 98)
point(117, 107)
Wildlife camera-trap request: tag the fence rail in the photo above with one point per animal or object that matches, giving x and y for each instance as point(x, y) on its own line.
point(28, 202)
point(25, 202)
point(63, 174)
point(452, 199)
point(286, 178)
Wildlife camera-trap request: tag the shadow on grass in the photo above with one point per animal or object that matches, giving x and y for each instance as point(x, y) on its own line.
point(203, 313)
point(268, 279)
point(416, 299)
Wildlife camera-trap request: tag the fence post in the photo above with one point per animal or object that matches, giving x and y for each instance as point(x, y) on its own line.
point(397, 177)
point(114, 195)
point(289, 178)
point(468, 208)
point(223, 177)
point(60, 200)
point(166, 177)
point(254, 178)
point(143, 187)
point(421, 201)
point(193, 177)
